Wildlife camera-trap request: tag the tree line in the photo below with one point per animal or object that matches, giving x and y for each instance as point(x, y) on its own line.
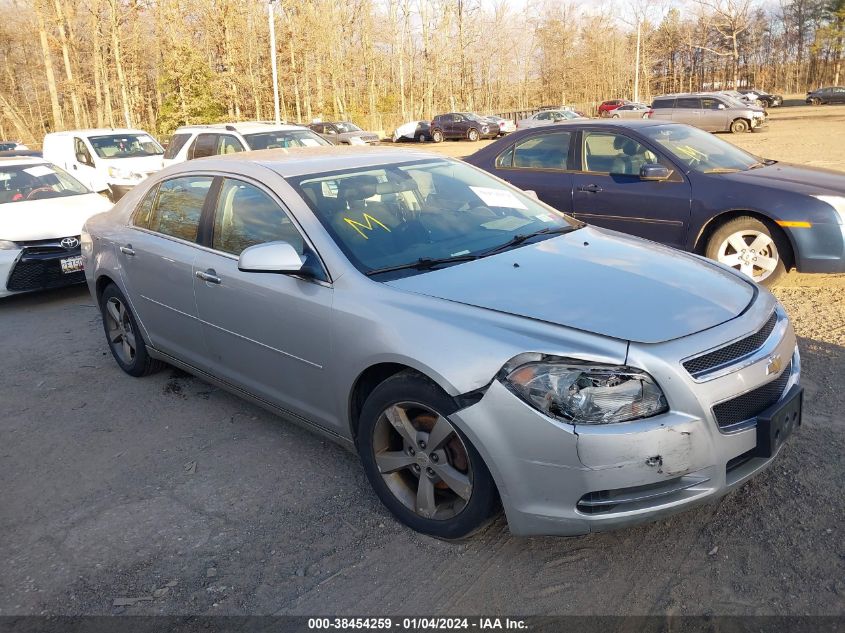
point(157, 64)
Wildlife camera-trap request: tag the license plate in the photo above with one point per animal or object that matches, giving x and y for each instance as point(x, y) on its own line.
point(71, 264)
point(778, 422)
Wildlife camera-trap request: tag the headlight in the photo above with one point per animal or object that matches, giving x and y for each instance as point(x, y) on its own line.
point(123, 174)
point(838, 204)
point(581, 393)
point(6, 245)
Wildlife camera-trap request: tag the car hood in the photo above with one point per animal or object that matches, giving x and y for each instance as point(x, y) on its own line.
point(597, 281)
point(50, 218)
point(790, 177)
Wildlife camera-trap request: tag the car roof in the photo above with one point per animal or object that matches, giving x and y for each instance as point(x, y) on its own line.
point(98, 131)
point(300, 161)
point(244, 127)
point(21, 160)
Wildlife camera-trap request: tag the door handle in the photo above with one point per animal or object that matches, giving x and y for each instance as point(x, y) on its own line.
point(208, 276)
point(127, 250)
point(590, 188)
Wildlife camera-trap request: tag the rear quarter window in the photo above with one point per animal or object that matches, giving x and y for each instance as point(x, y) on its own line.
point(177, 142)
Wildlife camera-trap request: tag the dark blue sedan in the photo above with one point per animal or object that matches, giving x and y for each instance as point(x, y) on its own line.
point(681, 186)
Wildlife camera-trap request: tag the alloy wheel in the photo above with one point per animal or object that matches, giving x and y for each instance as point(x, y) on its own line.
point(119, 330)
point(423, 460)
point(751, 252)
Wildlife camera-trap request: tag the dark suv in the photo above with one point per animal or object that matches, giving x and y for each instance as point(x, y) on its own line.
point(458, 125)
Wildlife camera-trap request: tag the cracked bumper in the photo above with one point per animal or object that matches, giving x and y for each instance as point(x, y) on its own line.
point(557, 479)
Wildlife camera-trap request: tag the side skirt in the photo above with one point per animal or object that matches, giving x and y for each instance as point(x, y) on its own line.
point(246, 395)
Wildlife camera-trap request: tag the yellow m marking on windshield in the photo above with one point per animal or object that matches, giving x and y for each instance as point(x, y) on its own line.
point(368, 222)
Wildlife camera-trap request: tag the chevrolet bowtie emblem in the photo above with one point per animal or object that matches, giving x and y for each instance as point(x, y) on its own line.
point(775, 365)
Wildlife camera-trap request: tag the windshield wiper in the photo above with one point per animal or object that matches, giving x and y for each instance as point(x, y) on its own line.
point(423, 263)
point(516, 240)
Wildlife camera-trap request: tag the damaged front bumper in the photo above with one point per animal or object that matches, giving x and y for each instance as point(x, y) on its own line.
point(558, 479)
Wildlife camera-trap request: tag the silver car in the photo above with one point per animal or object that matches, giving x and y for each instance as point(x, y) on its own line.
point(631, 111)
point(474, 346)
point(709, 112)
point(547, 117)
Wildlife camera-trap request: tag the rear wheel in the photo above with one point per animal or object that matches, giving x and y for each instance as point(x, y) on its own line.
point(472, 134)
point(739, 126)
point(427, 473)
point(751, 247)
point(124, 336)
point(421, 138)
point(615, 116)
point(437, 136)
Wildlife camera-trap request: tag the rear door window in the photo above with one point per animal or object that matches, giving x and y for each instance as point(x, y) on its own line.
point(689, 103)
point(544, 151)
point(177, 142)
point(204, 145)
point(178, 208)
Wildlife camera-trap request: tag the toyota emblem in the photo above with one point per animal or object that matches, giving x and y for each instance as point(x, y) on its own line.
point(69, 243)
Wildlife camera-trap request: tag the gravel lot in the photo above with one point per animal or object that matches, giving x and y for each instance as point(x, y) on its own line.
point(173, 491)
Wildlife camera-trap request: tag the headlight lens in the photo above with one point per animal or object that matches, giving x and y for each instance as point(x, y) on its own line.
point(124, 174)
point(582, 393)
point(838, 204)
point(6, 245)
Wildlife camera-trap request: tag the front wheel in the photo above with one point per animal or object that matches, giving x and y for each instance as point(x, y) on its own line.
point(739, 126)
point(437, 136)
point(472, 135)
point(427, 473)
point(751, 247)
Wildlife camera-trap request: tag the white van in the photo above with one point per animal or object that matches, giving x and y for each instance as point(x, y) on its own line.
point(105, 160)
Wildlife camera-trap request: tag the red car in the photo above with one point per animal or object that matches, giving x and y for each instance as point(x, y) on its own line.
point(607, 107)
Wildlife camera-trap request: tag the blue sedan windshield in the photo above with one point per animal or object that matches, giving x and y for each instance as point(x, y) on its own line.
point(700, 151)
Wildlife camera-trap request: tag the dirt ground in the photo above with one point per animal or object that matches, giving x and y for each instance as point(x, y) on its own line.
point(170, 490)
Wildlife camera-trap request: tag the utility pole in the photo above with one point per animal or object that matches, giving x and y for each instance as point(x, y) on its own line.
point(637, 71)
point(271, 16)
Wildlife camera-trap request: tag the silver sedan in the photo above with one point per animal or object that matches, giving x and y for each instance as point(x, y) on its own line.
point(472, 345)
point(548, 117)
point(631, 111)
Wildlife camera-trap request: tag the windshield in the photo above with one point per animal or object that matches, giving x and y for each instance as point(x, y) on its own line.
point(398, 214)
point(345, 126)
point(700, 151)
point(36, 182)
point(125, 146)
point(285, 138)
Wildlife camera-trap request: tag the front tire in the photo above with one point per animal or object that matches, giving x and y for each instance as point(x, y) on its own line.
point(472, 135)
point(739, 126)
point(124, 336)
point(424, 470)
point(751, 247)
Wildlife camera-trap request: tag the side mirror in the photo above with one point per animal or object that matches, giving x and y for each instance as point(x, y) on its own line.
point(271, 257)
point(653, 171)
point(721, 106)
point(82, 158)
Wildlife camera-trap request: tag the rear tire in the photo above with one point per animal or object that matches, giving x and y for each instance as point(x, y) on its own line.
point(753, 247)
point(123, 335)
point(437, 136)
point(424, 470)
point(739, 126)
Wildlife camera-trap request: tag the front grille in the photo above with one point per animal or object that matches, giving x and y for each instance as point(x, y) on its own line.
point(733, 352)
point(749, 405)
point(40, 268)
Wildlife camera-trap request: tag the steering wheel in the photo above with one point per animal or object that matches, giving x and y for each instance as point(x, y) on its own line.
point(37, 190)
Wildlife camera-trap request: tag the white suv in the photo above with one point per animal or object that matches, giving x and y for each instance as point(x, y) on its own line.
point(196, 141)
